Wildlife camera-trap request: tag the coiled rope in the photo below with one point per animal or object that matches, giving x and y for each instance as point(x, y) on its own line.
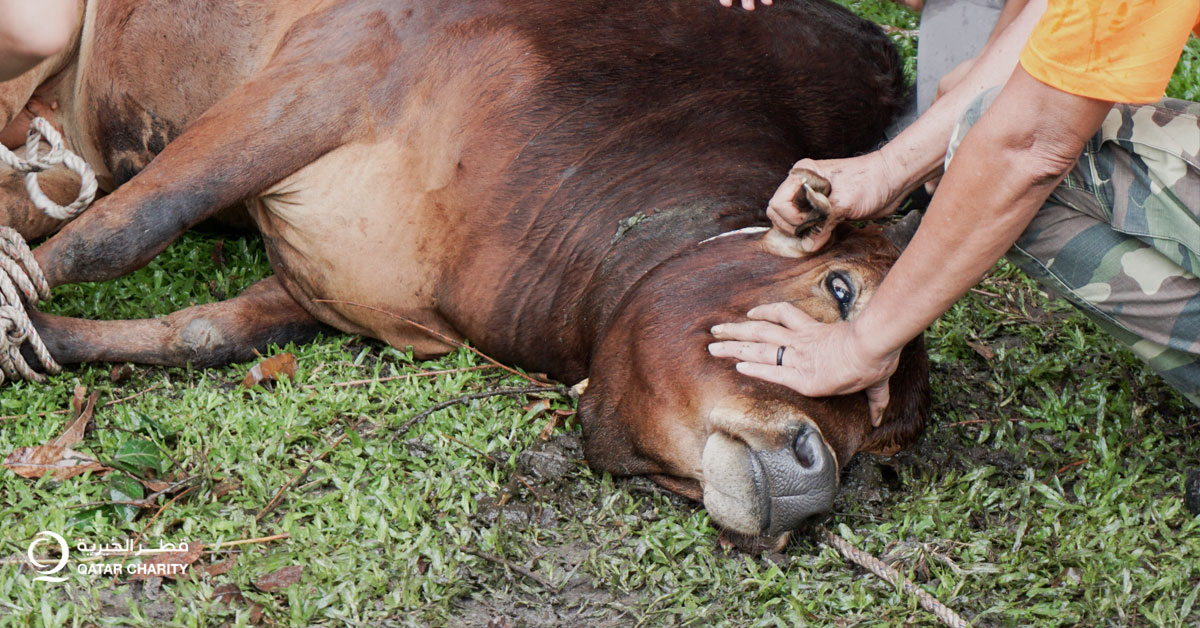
point(20, 275)
point(892, 577)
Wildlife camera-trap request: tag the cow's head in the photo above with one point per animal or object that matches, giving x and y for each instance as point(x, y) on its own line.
point(761, 457)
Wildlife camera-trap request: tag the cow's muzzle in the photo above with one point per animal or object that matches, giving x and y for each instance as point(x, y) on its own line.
point(768, 492)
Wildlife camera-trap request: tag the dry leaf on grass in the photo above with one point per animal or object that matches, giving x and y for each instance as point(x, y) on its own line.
point(74, 431)
point(57, 457)
point(983, 350)
point(271, 368)
point(279, 580)
point(215, 569)
point(186, 557)
point(154, 486)
point(63, 462)
point(225, 487)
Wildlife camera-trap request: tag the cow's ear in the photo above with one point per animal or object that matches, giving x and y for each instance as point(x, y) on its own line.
point(607, 442)
point(908, 409)
point(900, 233)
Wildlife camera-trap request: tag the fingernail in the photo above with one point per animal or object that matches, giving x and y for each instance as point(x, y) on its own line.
point(806, 245)
point(712, 347)
point(741, 367)
point(717, 329)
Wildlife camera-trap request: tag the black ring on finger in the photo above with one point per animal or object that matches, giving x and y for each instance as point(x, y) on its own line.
point(779, 355)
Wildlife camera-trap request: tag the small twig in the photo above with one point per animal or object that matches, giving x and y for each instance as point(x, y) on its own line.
point(400, 431)
point(1013, 419)
point(391, 378)
point(513, 566)
point(436, 334)
point(159, 512)
point(133, 396)
point(1181, 430)
point(279, 494)
point(261, 539)
point(986, 293)
point(145, 502)
point(1068, 467)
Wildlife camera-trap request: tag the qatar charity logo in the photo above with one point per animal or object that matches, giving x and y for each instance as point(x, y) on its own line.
point(47, 571)
point(176, 562)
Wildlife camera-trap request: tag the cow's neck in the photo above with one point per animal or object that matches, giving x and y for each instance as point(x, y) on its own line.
point(558, 339)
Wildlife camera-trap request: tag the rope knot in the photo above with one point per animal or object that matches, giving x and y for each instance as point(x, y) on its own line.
point(36, 162)
point(21, 281)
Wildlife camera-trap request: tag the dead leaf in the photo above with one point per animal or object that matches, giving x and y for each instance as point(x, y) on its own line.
point(552, 424)
point(218, 253)
point(155, 486)
point(224, 488)
point(77, 399)
point(227, 594)
point(185, 557)
point(983, 350)
point(215, 569)
point(120, 373)
point(279, 580)
point(63, 462)
point(73, 432)
point(271, 368)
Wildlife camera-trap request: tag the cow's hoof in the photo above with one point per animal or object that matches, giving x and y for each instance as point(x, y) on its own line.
point(1191, 491)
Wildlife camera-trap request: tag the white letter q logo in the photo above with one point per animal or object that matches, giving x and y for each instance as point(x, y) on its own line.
point(45, 537)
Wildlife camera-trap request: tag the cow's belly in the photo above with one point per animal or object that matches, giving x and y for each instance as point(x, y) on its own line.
point(362, 226)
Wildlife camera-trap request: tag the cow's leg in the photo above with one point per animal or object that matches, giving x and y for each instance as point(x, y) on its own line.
point(202, 335)
point(265, 130)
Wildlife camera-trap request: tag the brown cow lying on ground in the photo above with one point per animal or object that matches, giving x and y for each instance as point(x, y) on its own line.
point(542, 178)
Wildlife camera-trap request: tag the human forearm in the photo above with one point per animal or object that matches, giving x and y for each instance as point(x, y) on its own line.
point(916, 154)
point(1002, 173)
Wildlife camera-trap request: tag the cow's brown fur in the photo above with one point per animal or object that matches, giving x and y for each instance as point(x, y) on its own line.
point(533, 176)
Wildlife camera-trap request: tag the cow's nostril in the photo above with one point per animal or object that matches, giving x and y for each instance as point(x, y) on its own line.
point(805, 447)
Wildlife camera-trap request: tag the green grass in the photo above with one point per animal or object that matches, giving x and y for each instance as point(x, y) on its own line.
point(1047, 492)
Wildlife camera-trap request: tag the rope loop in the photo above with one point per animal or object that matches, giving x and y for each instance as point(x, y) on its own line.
point(36, 162)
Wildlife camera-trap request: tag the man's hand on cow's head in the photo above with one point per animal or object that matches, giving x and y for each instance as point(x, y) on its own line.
point(859, 188)
point(818, 359)
point(746, 4)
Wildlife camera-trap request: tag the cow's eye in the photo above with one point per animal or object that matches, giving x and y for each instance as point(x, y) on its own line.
point(842, 290)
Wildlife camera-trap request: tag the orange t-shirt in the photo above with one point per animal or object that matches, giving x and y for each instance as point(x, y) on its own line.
point(1115, 50)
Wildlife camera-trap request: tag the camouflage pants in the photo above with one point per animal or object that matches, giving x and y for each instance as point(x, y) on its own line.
point(1120, 236)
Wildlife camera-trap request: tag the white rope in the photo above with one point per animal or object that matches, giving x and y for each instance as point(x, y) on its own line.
point(893, 577)
point(21, 280)
point(20, 276)
point(35, 162)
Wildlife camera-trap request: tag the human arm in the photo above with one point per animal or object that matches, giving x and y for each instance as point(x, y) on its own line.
point(1002, 173)
point(874, 184)
point(1011, 10)
point(31, 32)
